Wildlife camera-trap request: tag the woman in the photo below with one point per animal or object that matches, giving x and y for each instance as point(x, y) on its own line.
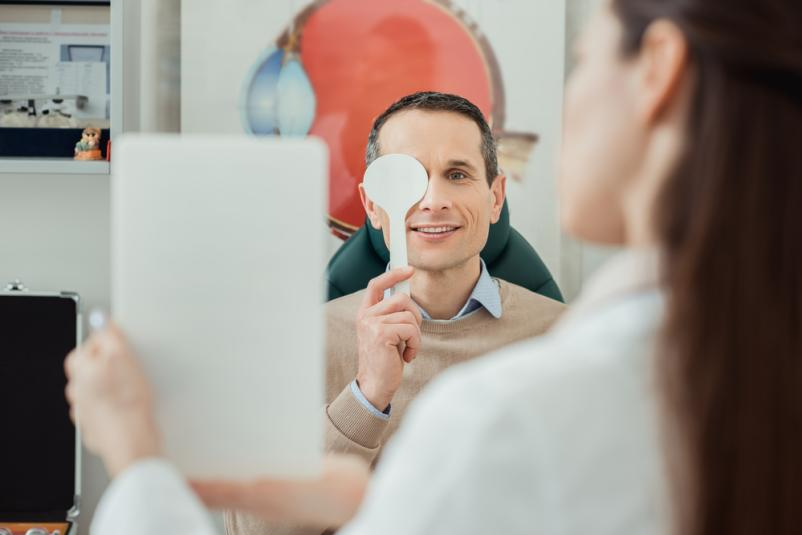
point(670, 398)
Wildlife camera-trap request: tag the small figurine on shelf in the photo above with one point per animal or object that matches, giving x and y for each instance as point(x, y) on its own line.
point(89, 146)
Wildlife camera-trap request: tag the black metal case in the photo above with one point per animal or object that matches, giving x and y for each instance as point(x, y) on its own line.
point(40, 453)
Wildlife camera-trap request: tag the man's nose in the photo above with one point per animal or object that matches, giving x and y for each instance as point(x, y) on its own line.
point(436, 197)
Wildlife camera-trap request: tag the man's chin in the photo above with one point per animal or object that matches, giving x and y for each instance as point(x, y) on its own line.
point(436, 263)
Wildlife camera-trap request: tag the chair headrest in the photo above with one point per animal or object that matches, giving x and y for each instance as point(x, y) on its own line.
point(497, 238)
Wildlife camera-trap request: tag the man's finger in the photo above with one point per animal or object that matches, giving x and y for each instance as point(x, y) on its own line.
point(404, 333)
point(409, 354)
point(378, 285)
point(405, 316)
point(412, 346)
point(397, 303)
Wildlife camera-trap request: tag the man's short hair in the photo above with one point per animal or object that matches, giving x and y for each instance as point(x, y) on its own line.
point(434, 101)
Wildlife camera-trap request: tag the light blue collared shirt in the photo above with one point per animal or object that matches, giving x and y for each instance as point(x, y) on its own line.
point(485, 294)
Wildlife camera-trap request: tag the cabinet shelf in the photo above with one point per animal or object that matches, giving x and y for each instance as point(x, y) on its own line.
point(53, 166)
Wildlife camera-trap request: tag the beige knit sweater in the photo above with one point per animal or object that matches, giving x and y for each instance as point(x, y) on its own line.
point(351, 428)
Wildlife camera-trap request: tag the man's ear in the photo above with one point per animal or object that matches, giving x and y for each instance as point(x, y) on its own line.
point(498, 192)
point(370, 208)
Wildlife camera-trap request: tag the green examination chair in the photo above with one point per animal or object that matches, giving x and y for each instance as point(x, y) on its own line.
point(507, 255)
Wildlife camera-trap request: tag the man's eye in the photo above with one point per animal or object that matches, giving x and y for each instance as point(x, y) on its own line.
point(457, 175)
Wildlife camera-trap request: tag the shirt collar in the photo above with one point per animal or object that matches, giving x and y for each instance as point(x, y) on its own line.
point(485, 294)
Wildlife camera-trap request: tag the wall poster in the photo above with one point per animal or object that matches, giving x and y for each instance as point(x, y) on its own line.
point(327, 68)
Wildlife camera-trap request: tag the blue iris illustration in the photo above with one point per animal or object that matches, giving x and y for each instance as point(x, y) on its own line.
point(277, 97)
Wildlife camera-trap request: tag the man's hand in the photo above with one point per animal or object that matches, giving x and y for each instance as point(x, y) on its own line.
point(388, 335)
point(326, 502)
point(112, 400)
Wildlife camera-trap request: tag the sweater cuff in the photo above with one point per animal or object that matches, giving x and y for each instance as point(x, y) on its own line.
point(357, 392)
point(355, 421)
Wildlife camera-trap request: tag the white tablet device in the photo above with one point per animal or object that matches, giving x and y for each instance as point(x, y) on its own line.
point(218, 255)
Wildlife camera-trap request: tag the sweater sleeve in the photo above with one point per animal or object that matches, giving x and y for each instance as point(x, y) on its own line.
point(239, 523)
point(352, 428)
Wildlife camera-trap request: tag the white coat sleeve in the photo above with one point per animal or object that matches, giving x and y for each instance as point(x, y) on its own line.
point(150, 497)
point(458, 464)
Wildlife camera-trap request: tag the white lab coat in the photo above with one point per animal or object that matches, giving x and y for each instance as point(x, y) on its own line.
point(556, 435)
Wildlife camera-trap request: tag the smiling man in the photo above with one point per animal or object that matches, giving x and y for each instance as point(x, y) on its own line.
point(382, 349)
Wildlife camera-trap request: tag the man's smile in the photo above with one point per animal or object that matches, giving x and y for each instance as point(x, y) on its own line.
point(434, 231)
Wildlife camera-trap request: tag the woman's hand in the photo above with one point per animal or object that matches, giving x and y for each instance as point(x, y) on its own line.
point(111, 401)
point(326, 502)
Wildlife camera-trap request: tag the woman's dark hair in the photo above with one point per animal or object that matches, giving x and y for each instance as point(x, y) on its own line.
point(730, 222)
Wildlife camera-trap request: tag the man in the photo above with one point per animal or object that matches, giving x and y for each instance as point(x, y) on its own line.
point(382, 350)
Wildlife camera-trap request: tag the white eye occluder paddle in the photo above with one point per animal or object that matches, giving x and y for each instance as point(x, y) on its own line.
point(396, 182)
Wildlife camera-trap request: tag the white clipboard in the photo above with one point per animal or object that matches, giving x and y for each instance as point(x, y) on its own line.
point(218, 252)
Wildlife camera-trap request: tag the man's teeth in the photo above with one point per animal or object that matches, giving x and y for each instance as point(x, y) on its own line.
point(435, 230)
